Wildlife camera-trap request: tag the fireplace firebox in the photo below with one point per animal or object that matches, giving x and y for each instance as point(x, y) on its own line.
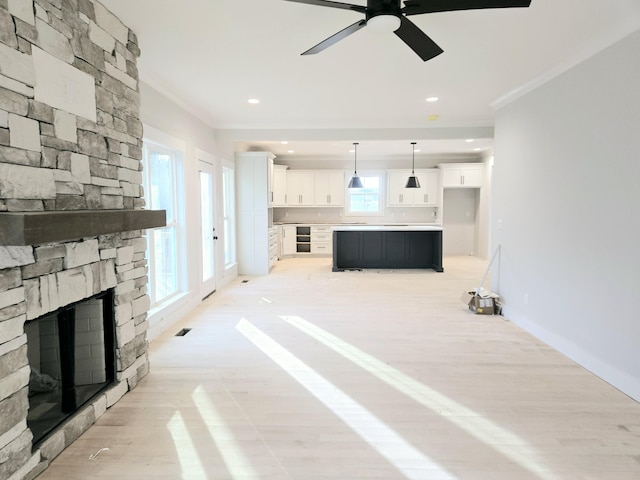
point(71, 353)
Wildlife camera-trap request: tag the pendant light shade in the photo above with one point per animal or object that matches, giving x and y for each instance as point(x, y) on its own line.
point(412, 181)
point(355, 181)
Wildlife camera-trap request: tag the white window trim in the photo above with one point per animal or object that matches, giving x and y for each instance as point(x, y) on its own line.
point(162, 140)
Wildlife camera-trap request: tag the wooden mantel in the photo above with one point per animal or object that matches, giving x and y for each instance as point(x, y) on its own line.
point(34, 228)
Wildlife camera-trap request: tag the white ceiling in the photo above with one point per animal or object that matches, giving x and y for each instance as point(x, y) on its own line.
point(213, 55)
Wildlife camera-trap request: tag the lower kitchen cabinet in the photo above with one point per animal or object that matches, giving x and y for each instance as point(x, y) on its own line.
point(273, 247)
point(321, 242)
point(288, 240)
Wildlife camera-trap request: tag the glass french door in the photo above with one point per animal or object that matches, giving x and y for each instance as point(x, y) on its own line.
point(208, 234)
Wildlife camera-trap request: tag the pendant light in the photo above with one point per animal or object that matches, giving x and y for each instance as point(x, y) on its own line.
point(355, 181)
point(412, 181)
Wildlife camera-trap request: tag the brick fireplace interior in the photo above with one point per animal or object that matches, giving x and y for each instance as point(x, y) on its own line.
point(73, 273)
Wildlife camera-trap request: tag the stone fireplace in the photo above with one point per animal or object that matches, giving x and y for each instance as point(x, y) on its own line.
point(72, 245)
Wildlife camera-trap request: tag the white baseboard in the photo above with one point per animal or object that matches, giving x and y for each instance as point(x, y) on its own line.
point(613, 376)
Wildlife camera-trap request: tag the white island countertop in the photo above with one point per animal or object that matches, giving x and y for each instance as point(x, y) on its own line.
point(386, 228)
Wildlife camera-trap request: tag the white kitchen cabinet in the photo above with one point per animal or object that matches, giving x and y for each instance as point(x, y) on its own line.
point(321, 239)
point(288, 240)
point(300, 185)
point(270, 181)
point(279, 185)
point(462, 175)
point(274, 254)
point(428, 195)
point(329, 189)
point(252, 186)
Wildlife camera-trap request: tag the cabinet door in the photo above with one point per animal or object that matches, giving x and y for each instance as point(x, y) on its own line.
point(429, 192)
point(279, 186)
point(288, 240)
point(270, 181)
point(472, 176)
point(397, 195)
point(329, 189)
point(306, 189)
point(300, 188)
point(452, 177)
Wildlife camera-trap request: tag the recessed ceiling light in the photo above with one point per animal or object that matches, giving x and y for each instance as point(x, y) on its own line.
point(469, 140)
point(432, 99)
point(289, 151)
point(284, 142)
point(433, 118)
point(253, 101)
point(477, 149)
point(417, 150)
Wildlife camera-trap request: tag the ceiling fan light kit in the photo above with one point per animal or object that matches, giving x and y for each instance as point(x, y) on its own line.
point(383, 23)
point(390, 16)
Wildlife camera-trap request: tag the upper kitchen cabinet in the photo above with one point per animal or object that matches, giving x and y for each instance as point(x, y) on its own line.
point(428, 195)
point(300, 188)
point(462, 175)
point(329, 189)
point(279, 185)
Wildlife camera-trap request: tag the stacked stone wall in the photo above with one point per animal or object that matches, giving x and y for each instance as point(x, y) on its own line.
point(70, 139)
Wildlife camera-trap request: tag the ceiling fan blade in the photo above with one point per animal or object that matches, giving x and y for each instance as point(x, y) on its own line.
point(417, 40)
point(336, 37)
point(416, 7)
point(328, 3)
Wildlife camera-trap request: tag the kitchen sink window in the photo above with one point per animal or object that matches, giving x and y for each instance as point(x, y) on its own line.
point(368, 199)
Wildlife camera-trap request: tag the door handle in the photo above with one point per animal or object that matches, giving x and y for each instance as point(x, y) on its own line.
point(215, 238)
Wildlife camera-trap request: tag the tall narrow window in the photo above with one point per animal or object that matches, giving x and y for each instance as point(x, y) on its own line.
point(366, 200)
point(228, 187)
point(162, 183)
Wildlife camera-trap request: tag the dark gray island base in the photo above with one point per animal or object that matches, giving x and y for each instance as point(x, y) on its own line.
point(387, 247)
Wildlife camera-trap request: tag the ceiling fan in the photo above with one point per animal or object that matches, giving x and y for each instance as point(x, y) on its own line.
point(390, 16)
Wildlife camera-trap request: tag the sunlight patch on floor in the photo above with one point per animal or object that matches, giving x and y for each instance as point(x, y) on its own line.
point(190, 463)
point(378, 435)
point(483, 429)
point(232, 454)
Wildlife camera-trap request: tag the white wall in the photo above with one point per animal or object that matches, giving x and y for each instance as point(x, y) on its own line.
point(161, 113)
point(459, 216)
point(565, 184)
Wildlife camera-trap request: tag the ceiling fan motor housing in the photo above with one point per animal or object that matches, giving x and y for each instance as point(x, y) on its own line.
point(383, 15)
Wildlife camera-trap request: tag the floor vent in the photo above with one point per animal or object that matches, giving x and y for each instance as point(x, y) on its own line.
point(183, 332)
point(245, 281)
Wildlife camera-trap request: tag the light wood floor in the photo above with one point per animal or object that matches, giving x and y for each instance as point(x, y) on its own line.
point(307, 374)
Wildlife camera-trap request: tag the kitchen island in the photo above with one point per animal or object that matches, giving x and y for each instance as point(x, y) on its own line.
point(387, 246)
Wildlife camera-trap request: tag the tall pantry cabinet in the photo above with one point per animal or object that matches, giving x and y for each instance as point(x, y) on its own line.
point(253, 198)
